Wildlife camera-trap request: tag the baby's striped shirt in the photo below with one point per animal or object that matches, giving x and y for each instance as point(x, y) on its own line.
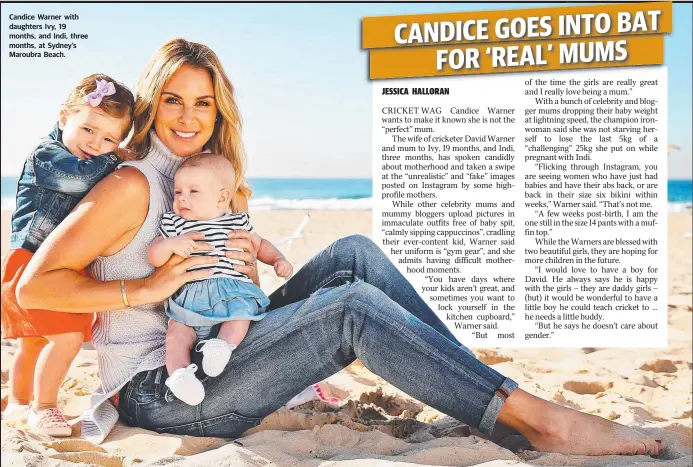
point(216, 234)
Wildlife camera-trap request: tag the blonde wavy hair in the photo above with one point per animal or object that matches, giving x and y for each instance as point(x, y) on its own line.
point(226, 138)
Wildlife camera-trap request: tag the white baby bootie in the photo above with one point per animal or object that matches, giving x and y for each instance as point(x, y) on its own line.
point(185, 385)
point(215, 355)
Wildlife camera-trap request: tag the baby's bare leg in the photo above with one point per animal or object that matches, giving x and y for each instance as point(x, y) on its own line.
point(179, 340)
point(233, 332)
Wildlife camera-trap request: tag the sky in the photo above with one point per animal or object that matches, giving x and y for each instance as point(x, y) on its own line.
point(299, 71)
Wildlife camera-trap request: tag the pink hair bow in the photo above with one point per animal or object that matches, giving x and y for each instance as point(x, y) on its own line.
point(103, 88)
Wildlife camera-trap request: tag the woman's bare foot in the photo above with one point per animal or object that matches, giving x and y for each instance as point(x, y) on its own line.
point(579, 433)
point(552, 428)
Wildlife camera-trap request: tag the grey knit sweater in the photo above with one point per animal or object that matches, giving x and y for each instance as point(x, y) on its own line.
point(131, 340)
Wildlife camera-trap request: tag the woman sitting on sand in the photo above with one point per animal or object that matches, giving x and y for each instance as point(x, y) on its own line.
point(348, 302)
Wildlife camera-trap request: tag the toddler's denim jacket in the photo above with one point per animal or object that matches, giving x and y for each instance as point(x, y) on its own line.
point(53, 181)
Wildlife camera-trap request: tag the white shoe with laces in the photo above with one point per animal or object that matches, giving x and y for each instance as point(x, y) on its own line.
point(49, 422)
point(16, 412)
point(185, 385)
point(216, 353)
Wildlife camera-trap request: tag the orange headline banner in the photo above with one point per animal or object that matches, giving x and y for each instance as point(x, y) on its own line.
point(413, 62)
point(533, 24)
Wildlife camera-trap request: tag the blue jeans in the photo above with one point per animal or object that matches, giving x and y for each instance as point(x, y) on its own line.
point(348, 302)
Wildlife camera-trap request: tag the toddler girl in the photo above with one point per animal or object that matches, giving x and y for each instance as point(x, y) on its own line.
point(57, 174)
point(202, 211)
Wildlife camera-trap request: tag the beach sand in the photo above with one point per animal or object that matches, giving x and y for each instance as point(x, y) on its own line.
point(378, 425)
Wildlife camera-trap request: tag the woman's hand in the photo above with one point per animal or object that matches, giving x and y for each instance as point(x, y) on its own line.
point(243, 240)
point(168, 278)
point(125, 154)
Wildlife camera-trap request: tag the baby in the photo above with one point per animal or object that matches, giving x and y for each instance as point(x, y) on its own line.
point(79, 152)
point(203, 189)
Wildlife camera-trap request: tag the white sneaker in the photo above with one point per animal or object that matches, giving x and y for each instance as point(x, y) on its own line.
point(314, 392)
point(49, 422)
point(307, 395)
point(16, 412)
point(185, 385)
point(216, 353)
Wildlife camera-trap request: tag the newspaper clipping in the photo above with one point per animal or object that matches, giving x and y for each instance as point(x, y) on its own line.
point(346, 234)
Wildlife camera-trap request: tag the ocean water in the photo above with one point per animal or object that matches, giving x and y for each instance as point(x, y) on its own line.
point(679, 194)
point(340, 193)
point(311, 193)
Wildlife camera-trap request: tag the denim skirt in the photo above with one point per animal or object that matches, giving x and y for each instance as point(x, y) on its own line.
point(216, 300)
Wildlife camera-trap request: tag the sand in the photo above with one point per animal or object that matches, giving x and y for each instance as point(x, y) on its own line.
point(378, 425)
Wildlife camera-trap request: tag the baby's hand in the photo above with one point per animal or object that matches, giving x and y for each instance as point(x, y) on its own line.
point(283, 268)
point(184, 245)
